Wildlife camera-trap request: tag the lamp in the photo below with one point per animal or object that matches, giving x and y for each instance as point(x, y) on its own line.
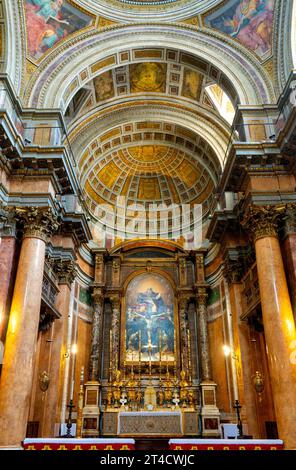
point(228, 351)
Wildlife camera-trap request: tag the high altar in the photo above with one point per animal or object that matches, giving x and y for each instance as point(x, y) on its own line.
point(150, 372)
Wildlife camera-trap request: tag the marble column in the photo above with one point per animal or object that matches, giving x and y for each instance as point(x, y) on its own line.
point(278, 320)
point(203, 339)
point(97, 334)
point(65, 269)
point(17, 372)
point(289, 252)
point(183, 304)
point(7, 264)
point(210, 414)
point(115, 328)
point(233, 271)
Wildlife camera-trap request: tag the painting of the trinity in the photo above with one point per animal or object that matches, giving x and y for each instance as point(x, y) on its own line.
point(150, 328)
point(50, 21)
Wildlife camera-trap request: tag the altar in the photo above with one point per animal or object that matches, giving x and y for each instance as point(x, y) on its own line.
point(175, 423)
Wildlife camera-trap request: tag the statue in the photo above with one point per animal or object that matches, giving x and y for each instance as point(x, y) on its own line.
point(183, 387)
point(160, 395)
point(132, 386)
point(168, 393)
point(117, 385)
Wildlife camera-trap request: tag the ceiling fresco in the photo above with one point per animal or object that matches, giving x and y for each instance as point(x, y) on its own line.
point(48, 22)
point(150, 78)
point(248, 21)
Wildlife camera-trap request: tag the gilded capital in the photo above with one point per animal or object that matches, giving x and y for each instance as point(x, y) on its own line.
point(183, 302)
point(98, 295)
point(201, 295)
point(115, 301)
point(37, 222)
point(65, 269)
point(262, 221)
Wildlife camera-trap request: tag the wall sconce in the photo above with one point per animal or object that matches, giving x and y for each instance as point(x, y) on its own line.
point(228, 351)
point(44, 380)
point(74, 349)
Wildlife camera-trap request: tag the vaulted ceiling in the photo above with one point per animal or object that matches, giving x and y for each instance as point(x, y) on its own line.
point(118, 151)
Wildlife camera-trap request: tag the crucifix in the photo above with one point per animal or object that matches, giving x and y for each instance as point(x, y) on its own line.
point(237, 408)
point(71, 406)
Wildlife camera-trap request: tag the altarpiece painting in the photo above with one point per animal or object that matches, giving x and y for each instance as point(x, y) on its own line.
point(149, 320)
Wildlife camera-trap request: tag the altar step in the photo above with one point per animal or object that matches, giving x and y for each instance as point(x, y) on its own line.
point(152, 444)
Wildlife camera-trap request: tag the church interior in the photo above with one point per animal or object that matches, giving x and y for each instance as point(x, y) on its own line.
point(147, 223)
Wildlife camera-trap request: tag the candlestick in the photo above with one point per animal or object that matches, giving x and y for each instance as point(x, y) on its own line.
point(189, 358)
point(110, 356)
point(160, 348)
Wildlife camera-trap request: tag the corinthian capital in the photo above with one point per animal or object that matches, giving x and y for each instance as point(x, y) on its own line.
point(65, 269)
point(37, 222)
point(7, 220)
point(262, 221)
point(290, 219)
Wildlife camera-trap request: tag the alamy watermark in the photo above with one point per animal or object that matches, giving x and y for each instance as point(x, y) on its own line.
point(152, 221)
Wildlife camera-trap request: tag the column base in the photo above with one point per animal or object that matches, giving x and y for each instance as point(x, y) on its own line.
point(91, 410)
point(210, 414)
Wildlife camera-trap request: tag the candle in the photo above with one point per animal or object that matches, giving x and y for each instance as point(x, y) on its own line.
point(160, 348)
point(140, 347)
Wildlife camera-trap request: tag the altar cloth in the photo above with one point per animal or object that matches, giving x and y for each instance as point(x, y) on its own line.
point(225, 444)
point(78, 444)
point(150, 423)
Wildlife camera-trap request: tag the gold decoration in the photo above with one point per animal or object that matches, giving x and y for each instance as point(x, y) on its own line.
point(148, 77)
point(44, 381)
point(105, 22)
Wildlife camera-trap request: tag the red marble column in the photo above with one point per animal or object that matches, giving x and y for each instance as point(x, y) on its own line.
point(278, 320)
point(17, 373)
point(289, 257)
point(7, 268)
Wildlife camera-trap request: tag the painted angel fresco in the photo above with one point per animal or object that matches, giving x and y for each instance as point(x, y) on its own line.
point(249, 21)
point(50, 21)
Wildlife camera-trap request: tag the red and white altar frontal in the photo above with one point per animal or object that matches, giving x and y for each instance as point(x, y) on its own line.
point(79, 444)
point(225, 444)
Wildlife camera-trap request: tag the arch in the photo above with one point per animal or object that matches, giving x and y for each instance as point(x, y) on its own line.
point(170, 10)
point(200, 124)
point(57, 71)
point(155, 244)
point(13, 60)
